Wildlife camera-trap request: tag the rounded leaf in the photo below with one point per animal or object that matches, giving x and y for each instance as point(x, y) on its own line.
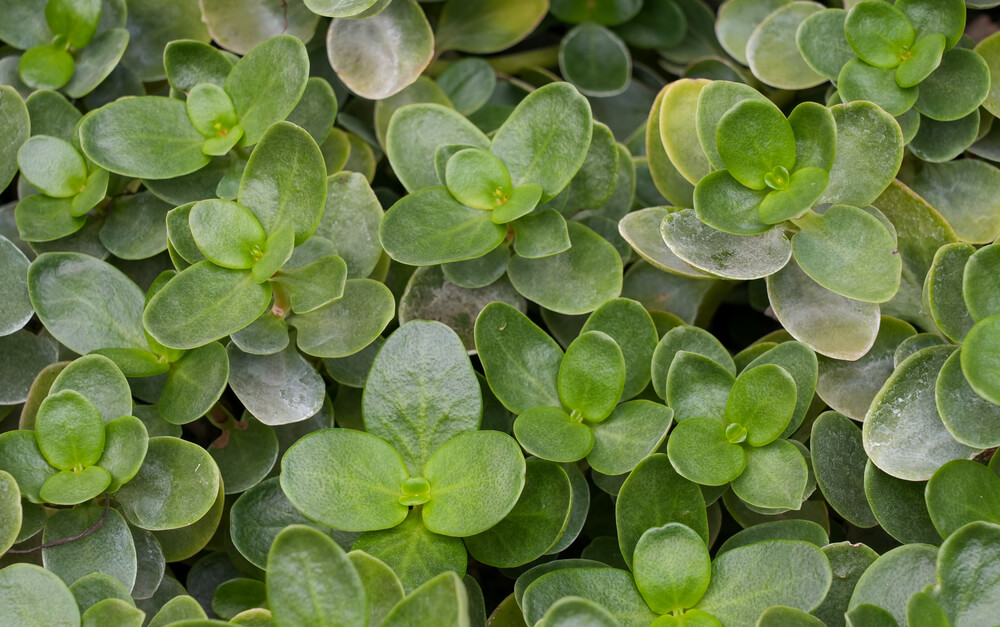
point(592, 375)
point(672, 567)
point(550, 433)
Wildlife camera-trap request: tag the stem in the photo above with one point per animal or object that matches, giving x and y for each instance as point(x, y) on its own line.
point(83, 534)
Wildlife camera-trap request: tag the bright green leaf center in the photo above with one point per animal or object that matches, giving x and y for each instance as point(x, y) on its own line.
point(416, 491)
point(736, 433)
point(777, 178)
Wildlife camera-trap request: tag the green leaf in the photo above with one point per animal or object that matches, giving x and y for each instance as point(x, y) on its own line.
point(109, 550)
point(979, 358)
point(788, 529)
point(382, 587)
point(477, 179)
point(74, 19)
point(869, 153)
point(693, 340)
point(697, 387)
point(535, 523)
point(189, 63)
point(284, 183)
point(415, 554)
point(899, 506)
point(775, 476)
point(577, 611)
point(678, 129)
point(909, 568)
point(947, 18)
point(313, 580)
point(25, 463)
point(414, 135)
point(348, 324)
point(41, 218)
point(227, 233)
point(125, 443)
point(838, 461)
point(550, 433)
point(860, 81)
point(177, 485)
point(315, 285)
point(962, 492)
point(17, 311)
point(941, 141)
point(488, 25)
point(803, 189)
point(754, 139)
point(169, 145)
point(320, 477)
point(100, 381)
point(972, 214)
point(632, 432)
point(53, 166)
point(970, 418)
point(429, 227)
point(69, 430)
point(380, 55)
point(830, 324)
point(266, 84)
point(629, 324)
point(925, 56)
point(700, 451)
point(461, 503)
point(800, 362)
point(714, 101)
point(595, 60)
point(468, 83)
point(71, 487)
point(279, 388)
point(904, 417)
point(521, 362)
point(762, 400)
point(546, 139)
point(772, 54)
point(46, 67)
point(194, 384)
point(982, 298)
point(351, 220)
point(422, 360)
point(940, 96)
point(15, 122)
point(591, 376)
point(63, 288)
point(317, 109)
point(850, 252)
point(944, 290)
point(738, 257)
point(136, 227)
point(540, 234)
point(442, 600)
point(823, 43)
point(748, 580)
point(724, 203)
point(612, 589)
point(11, 514)
point(576, 281)
point(879, 33)
point(970, 549)
point(34, 597)
point(672, 567)
point(204, 303)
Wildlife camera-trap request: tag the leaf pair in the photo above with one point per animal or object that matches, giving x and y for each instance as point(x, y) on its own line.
point(732, 429)
point(80, 55)
point(567, 405)
point(479, 180)
point(176, 137)
point(69, 185)
point(467, 485)
point(770, 169)
point(84, 443)
point(313, 581)
point(673, 582)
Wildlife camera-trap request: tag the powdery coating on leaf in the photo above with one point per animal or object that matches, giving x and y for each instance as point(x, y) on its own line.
point(277, 389)
point(771, 51)
point(378, 56)
point(829, 323)
point(739, 257)
point(903, 432)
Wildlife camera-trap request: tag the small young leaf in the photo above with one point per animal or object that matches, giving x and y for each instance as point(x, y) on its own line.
point(70, 431)
point(478, 179)
point(53, 166)
point(754, 139)
point(762, 400)
point(700, 451)
point(227, 233)
point(672, 567)
point(550, 433)
point(592, 375)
